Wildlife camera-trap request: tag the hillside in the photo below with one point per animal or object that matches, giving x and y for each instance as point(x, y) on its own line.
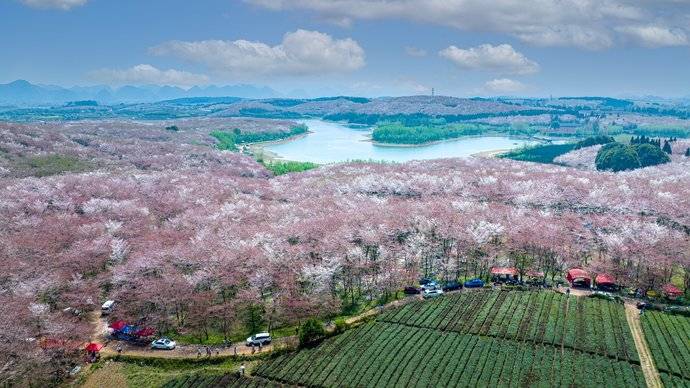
point(482, 338)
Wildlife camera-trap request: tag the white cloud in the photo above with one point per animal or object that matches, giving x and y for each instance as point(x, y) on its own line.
point(59, 4)
point(590, 24)
point(504, 85)
point(502, 58)
point(300, 53)
point(415, 51)
point(656, 36)
point(147, 74)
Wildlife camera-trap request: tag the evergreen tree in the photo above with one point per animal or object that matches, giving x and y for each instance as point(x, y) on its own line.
point(687, 152)
point(667, 148)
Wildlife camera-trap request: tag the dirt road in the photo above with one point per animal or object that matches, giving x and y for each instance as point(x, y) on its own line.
point(651, 374)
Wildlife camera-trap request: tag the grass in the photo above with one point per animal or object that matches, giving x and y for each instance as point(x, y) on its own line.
point(279, 167)
point(541, 154)
point(151, 372)
point(216, 337)
point(47, 165)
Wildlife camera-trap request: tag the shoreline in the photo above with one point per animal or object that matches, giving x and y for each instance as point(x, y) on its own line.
point(489, 154)
point(498, 134)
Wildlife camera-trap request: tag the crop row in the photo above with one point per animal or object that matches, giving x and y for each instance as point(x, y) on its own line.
point(592, 325)
point(668, 337)
point(386, 354)
point(224, 381)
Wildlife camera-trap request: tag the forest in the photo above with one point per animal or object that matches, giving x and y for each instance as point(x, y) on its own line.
point(197, 242)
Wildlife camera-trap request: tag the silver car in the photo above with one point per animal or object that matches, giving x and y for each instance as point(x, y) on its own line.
point(259, 339)
point(432, 293)
point(163, 344)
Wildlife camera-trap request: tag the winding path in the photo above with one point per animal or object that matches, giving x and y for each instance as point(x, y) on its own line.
point(651, 374)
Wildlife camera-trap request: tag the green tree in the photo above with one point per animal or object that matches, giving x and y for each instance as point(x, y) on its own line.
point(617, 157)
point(650, 155)
point(667, 147)
point(687, 152)
point(311, 331)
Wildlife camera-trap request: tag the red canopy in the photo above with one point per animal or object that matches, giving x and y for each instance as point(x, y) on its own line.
point(504, 271)
point(535, 274)
point(671, 290)
point(578, 274)
point(605, 279)
point(118, 325)
point(93, 347)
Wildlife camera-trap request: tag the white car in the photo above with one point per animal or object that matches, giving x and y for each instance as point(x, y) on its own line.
point(259, 339)
point(432, 293)
point(163, 344)
point(107, 307)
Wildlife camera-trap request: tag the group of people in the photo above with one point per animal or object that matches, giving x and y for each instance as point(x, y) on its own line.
point(208, 351)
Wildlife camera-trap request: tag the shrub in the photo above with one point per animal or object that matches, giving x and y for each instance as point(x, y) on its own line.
point(310, 332)
point(172, 128)
point(594, 140)
point(340, 325)
point(650, 155)
point(617, 157)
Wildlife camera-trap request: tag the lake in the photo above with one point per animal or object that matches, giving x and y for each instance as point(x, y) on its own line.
point(332, 142)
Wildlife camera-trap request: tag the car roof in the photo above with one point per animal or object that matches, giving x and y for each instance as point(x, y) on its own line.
point(262, 335)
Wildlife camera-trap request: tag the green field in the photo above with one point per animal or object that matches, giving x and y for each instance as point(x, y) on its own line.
point(668, 337)
point(219, 381)
point(480, 338)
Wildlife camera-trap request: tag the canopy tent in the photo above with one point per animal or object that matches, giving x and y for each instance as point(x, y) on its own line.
point(578, 277)
point(604, 279)
point(118, 325)
point(671, 291)
point(503, 271)
point(93, 347)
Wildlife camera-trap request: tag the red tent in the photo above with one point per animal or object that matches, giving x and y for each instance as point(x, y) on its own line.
point(604, 279)
point(118, 325)
point(671, 291)
point(503, 271)
point(578, 277)
point(93, 347)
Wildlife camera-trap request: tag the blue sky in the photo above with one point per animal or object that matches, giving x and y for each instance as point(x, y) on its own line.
point(355, 47)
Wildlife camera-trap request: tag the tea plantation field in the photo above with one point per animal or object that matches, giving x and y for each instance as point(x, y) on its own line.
point(485, 338)
point(668, 337)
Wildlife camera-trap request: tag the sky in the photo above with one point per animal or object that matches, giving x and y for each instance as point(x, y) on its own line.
point(355, 47)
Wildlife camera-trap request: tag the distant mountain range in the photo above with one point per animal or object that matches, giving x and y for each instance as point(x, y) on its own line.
point(22, 92)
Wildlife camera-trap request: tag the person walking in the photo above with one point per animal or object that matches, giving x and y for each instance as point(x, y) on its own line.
point(198, 352)
point(119, 349)
point(235, 350)
point(242, 370)
point(208, 352)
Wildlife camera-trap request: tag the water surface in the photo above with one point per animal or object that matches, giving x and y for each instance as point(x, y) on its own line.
point(332, 142)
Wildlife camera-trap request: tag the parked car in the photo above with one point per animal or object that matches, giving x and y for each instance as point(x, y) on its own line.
point(432, 285)
point(107, 307)
point(163, 344)
point(259, 339)
point(451, 286)
point(474, 283)
point(432, 293)
point(412, 290)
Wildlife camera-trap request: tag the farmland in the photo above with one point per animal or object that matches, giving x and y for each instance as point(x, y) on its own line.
point(584, 324)
point(482, 338)
point(668, 337)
